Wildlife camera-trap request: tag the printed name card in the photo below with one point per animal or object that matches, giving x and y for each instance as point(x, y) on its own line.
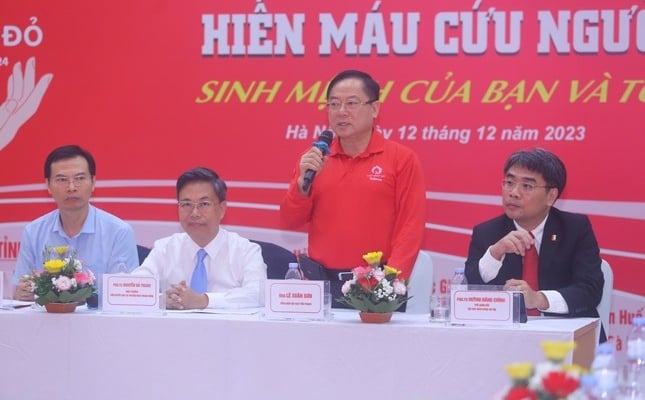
point(1, 287)
point(472, 307)
point(130, 293)
point(296, 299)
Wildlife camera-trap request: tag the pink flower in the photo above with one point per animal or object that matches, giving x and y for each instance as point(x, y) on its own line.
point(399, 287)
point(82, 278)
point(361, 272)
point(63, 283)
point(90, 274)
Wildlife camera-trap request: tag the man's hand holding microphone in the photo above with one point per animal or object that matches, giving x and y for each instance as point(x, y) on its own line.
point(312, 161)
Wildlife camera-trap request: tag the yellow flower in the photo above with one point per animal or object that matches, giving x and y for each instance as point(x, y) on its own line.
point(54, 266)
point(575, 369)
point(557, 351)
point(61, 250)
point(520, 371)
point(373, 258)
point(390, 270)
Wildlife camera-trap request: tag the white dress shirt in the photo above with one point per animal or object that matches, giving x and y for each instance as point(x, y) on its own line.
point(234, 267)
point(489, 268)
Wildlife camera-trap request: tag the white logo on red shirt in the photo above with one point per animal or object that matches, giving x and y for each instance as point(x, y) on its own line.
point(376, 174)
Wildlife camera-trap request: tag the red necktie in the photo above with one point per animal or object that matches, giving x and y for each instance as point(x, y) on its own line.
point(530, 273)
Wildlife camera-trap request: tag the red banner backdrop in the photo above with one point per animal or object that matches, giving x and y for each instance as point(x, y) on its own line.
point(155, 87)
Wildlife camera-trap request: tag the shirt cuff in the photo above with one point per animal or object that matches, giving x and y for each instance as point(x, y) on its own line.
point(557, 304)
point(489, 266)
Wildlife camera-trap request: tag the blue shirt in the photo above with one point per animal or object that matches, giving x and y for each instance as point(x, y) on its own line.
point(105, 244)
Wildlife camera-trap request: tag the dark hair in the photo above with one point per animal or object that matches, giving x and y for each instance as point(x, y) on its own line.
point(370, 86)
point(67, 152)
point(203, 174)
point(542, 161)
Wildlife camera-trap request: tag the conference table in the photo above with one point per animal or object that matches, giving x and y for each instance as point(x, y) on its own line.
point(238, 354)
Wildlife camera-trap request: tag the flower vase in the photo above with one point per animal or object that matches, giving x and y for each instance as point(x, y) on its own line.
point(375, 318)
point(58, 308)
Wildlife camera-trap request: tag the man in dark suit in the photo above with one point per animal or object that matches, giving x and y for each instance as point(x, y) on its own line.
point(569, 278)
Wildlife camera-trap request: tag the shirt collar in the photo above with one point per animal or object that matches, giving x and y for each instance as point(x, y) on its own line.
point(376, 145)
point(89, 225)
point(212, 247)
point(537, 232)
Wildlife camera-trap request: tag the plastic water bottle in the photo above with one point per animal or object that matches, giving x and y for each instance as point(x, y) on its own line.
point(458, 280)
point(633, 373)
point(293, 272)
point(604, 369)
point(587, 387)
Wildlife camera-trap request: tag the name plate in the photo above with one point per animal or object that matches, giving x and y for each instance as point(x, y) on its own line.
point(296, 299)
point(478, 307)
point(130, 293)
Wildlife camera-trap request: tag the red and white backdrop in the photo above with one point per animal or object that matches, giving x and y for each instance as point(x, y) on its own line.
point(154, 87)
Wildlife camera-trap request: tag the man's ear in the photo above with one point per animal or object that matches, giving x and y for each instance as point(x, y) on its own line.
point(552, 196)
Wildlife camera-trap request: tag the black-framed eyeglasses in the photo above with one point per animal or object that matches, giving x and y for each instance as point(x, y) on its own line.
point(350, 105)
point(189, 206)
point(524, 187)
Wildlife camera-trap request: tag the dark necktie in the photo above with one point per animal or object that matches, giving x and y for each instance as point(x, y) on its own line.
point(530, 273)
point(199, 281)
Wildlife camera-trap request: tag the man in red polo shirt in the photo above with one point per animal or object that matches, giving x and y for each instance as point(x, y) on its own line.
point(368, 193)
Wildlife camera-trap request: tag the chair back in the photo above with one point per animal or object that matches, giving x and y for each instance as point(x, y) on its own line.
point(277, 259)
point(607, 290)
point(142, 252)
point(420, 285)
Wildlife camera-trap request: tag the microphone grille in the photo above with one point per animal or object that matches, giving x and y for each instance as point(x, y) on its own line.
point(327, 136)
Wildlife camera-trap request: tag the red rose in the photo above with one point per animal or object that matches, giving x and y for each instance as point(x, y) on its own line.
point(521, 393)
point(559, 384)
point(367, 284)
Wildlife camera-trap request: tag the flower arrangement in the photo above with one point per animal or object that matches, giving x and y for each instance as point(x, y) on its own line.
point(548, 380)
point(374, 288)
point(62, 279)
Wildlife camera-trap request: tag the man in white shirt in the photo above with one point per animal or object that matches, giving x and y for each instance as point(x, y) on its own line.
point(205, 266)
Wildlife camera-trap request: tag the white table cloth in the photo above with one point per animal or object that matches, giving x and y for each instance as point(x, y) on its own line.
point(228, 356)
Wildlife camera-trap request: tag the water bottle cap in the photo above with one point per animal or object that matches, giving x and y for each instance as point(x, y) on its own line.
point(638, 321)
point(293, 265)
point(605, 348)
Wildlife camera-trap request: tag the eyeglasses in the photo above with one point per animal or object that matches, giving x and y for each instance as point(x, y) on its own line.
point(63, 181)
point(524, 187)
point(189, 206)
point(350, 105)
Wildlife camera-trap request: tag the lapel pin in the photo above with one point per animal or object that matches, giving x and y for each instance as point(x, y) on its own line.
point(554, 237)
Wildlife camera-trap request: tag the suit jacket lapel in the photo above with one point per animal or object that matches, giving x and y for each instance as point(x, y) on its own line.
point(550, 242)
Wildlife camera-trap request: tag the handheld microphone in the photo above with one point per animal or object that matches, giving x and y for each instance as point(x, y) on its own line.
point(322, 145)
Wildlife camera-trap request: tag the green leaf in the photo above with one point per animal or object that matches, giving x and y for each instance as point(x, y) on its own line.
point(49, 297)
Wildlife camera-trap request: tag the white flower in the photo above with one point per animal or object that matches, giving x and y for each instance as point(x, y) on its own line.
point(346, 286)
point(78, 265)
point(379, 274)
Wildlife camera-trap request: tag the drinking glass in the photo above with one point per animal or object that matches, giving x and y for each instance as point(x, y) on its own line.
point(440, 308)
